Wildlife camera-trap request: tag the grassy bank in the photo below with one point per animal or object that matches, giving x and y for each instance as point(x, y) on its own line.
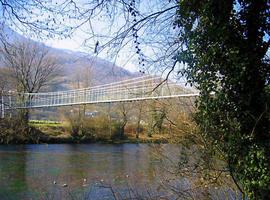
point(57, 132)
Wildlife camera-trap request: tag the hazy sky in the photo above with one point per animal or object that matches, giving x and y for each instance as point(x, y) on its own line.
point(76, 43)
point(104, 28)
point(103, 25)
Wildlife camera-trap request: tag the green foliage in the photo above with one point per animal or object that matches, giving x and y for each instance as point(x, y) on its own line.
point(225, 51)
point(255, 174)
point(45, 122)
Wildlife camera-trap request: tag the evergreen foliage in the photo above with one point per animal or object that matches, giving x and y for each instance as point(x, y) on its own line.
point(225, 50)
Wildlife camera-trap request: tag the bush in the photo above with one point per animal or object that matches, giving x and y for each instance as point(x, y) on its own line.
point(92, 129)
point(117, 131)
point(17, 131)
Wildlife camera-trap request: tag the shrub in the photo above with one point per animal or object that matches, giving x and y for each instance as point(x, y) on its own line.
point(15, 131)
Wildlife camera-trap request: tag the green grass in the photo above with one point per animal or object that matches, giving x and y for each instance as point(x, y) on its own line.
point(45, 123)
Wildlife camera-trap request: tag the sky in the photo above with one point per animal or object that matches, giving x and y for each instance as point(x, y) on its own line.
point(32, 12)
point(76, 43)
point(103, 28)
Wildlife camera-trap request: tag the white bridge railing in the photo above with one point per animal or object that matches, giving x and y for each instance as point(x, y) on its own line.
point(140, 88)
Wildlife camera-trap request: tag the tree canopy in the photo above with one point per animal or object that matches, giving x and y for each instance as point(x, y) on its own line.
point(226, 46)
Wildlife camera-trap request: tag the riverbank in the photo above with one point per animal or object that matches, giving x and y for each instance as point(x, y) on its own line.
point(58, 134)
point(67, 139)
point(49, 132)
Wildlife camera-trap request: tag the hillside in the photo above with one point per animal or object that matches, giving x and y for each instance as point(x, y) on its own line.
point(78, 69)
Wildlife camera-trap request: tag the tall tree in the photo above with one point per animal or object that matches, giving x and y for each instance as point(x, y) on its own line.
point(82, 78)
point(6, 83)
point(139, 113)
point(225, 48)
point(122, 109)
point(30, 65)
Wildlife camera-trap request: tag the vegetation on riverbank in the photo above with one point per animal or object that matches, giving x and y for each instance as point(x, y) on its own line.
point(60, 133)
point(123, 124)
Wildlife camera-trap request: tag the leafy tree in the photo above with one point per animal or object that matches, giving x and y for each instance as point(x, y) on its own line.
point(225, 49)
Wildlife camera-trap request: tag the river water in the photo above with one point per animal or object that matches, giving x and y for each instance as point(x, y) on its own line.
point(74, 171)
point(87, 171)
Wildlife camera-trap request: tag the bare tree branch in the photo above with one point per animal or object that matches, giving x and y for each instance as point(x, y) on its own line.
point(30, 64)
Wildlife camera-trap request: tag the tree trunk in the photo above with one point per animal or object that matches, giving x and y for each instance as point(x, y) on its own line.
point(123, 125)
point(138, 128)
point(25, 115)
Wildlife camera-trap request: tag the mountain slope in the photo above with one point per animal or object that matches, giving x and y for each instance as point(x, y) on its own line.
point(77, 69)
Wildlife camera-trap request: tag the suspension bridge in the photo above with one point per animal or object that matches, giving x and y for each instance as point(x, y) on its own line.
point(135, 89)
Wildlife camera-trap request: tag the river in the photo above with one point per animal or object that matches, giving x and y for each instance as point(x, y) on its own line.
point(87, 171)
point(60, 171)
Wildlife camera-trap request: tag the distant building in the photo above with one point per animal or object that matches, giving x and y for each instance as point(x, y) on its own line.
point(91, 113)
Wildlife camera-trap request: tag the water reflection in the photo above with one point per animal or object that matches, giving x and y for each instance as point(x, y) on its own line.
point(12, 183)
point(40, 171)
